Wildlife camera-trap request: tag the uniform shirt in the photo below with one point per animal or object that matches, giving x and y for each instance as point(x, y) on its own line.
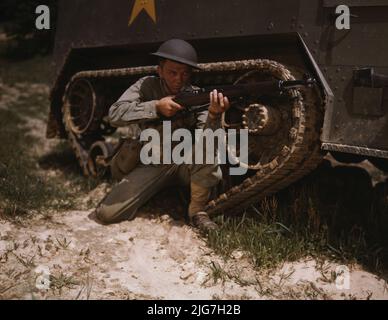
point(138, 105)
point(136, 110)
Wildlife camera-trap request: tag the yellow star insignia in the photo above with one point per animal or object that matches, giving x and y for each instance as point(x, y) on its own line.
point(147, 5)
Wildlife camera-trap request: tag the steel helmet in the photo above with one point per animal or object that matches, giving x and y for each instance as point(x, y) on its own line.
point(179, 51)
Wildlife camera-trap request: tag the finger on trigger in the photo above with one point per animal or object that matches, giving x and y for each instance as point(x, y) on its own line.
point(221, 99)
point(176, 106)
point(226, 102)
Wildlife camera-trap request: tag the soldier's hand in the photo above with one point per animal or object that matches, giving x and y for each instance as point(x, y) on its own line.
point(218, 104)
point(168, 107)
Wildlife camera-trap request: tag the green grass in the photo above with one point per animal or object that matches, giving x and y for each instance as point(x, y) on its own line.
point(61, 281)
point(333, 213)
point(36, 70)
point(25, 186)
point(269, 244)
point(21, 187)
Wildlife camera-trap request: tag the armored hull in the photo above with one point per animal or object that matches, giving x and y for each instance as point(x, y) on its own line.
point(238, 42)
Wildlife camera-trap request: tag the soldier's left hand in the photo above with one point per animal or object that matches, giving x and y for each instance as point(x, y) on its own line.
point(218, 104)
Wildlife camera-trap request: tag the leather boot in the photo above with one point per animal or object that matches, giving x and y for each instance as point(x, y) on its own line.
point(199, 218)
point(202, 221)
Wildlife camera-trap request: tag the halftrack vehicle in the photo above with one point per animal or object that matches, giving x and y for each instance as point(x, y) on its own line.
point(102, 47)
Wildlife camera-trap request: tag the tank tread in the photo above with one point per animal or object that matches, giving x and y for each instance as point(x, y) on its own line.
point(304, 158)
point(300, 158)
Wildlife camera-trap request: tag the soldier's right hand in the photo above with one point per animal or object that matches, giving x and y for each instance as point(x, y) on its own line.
point(168, 107)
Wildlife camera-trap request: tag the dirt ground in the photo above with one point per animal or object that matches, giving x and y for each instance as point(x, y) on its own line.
point(69, 255)
point(152, 258)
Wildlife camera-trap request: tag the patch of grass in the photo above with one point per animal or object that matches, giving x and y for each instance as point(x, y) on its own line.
point(268, 244)
point(217, 273)
point(334, 213)
point(62, 281)
point(27, 262)
point(222, 273)
point(25, 185)
point(35, 70)
point(22, 188)
point(86, 287)
point(63, 243)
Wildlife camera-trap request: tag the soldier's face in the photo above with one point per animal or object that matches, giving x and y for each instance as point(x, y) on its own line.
point(176, 75)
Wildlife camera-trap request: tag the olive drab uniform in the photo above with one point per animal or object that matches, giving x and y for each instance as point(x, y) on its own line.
point(140, 182)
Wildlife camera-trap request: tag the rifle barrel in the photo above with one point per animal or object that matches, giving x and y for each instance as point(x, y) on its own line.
point(201, 96)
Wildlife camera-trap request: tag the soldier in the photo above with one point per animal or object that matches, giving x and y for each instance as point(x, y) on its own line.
point(151, 98)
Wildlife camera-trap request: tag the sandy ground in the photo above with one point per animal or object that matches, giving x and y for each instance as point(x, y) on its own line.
point(68, 255)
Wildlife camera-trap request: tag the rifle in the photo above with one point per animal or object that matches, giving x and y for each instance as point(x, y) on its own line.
point(197, 100)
